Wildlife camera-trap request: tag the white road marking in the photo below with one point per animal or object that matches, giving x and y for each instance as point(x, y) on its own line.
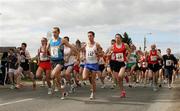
point(13, 102)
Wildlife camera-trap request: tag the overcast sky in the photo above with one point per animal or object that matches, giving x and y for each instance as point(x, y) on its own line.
point(29, 20)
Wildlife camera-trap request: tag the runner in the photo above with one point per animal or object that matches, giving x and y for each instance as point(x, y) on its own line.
point(76, 68)
point(44, 63)
point(13, 65)
point(56, 46)
point(175, 73)
point(108, 60)
point(160, 69)
point(82, 61)
point(169, 62)
point(3, 68)
point(138, 77)
point(131, 65)
point(102, 72)
point(144, 67)
point(70, 59)
point(24, 66)
point(118, 59)
point(153, 65)
point(93, 50)
point(17, 77)
point(178, 69)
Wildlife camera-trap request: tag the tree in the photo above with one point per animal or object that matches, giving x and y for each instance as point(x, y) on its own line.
point(127, 39)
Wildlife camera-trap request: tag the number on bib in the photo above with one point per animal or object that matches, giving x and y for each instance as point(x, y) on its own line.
point(54, 52)
point(119, 57)
point(168, 62)
point(153, 58)
point(43, 57)
point(90, 55)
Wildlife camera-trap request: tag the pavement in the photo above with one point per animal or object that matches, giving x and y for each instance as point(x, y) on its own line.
point(138, 99)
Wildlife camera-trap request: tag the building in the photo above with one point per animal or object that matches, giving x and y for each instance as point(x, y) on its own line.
point(4, 49)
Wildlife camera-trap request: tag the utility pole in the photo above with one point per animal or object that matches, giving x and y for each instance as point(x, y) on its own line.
point(145, 40)
point(145, 43)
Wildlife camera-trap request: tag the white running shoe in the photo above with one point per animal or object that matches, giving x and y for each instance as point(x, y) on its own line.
point(155, 89)
point(56, 89)
point(62, 98)
point(103, 86)
point(12, 87)
point(64, 95)
point(49, 91)
point(169, 86)
point(165, 81)
point(92, 96)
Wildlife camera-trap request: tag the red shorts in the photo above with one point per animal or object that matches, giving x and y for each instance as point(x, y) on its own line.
point(76, 68)
point(46, 65)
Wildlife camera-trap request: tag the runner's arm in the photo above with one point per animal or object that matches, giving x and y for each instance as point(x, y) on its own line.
point(109, 52)
point(99, 50)
point(175, 60)
point(28, 55)
point(65, 42)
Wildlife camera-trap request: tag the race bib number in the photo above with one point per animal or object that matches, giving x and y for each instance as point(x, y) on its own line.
point(132, 59)
point(54, 52)
point(119, 57)
point(168, 62)
point(153, 58)
point(22, 59)
point(43, 57)
point(91, 54)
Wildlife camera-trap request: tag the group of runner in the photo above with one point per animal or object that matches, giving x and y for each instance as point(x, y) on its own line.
point(67, 66)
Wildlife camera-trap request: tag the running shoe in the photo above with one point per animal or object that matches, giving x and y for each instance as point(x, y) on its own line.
point(92, 96)
point(49, 91)
point(103, 86)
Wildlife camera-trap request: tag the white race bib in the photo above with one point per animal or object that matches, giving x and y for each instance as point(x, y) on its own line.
point(132, 59)
point(54, 52)
point(43, 57)
point(153, 58)
point(120, 57)
point(90, 55)
point(168, 62)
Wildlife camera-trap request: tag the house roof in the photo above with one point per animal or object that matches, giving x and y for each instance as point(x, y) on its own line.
point(5, 49)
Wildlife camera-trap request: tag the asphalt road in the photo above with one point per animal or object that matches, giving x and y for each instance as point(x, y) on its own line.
point(138, 99)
